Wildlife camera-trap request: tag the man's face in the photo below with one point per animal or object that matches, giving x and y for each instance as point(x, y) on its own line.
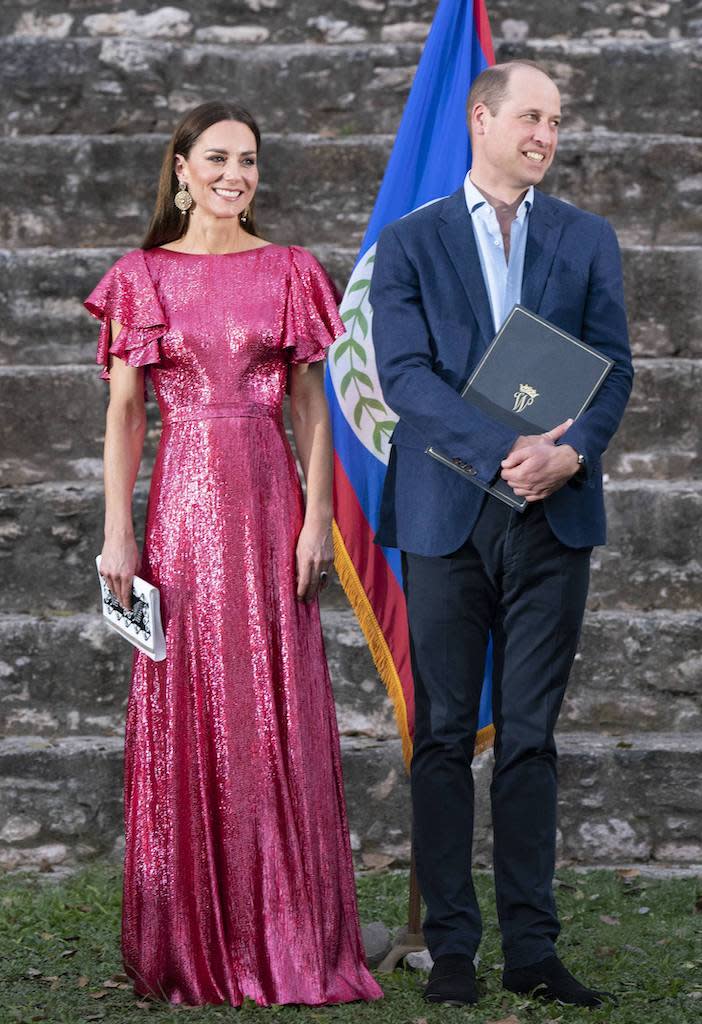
point(519, 142)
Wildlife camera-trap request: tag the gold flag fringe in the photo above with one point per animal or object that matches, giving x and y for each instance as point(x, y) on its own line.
point(378, 646)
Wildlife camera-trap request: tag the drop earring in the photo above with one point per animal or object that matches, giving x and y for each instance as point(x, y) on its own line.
point(182, 199)
point(244, 216)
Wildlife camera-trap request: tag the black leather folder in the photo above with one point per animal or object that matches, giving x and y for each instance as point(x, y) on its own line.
point(532, 377)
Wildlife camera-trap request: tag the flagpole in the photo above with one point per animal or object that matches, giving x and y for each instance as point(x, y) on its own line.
point(411, 939)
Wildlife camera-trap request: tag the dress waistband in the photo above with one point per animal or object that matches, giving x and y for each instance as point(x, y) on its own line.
point(222, 411)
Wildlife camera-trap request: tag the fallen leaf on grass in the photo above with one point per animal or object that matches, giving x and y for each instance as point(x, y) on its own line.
point(32, 972)
point(117, 981)
point(67, 953)
point(606, 951)
point(625, 873)
point(608, 919)
point(143, 1004)
point(82, 981)
point(506, 1020)
point(98, 995)
point(420, 1020)
point(644, 910)
point(96, 1016)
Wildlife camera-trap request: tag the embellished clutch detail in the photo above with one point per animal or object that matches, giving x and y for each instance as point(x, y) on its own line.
point(142, 625)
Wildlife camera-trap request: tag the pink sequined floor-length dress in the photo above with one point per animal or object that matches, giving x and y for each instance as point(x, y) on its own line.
point(238, 874)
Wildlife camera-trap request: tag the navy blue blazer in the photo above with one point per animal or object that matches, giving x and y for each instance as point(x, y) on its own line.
point(431, 325)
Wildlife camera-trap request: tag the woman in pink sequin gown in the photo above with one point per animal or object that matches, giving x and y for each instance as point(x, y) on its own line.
point(238, 874)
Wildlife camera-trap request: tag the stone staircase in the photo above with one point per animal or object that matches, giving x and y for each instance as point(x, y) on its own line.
point(91, 89)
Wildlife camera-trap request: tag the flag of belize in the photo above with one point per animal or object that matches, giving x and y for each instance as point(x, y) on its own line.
point(429, 160)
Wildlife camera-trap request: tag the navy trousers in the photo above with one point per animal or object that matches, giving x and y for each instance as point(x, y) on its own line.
point(513, 578)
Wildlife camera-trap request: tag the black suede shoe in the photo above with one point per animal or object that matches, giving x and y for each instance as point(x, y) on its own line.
point(452, 981)
point(550, 980)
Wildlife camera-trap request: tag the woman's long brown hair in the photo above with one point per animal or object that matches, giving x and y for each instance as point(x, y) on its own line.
point(168, 223)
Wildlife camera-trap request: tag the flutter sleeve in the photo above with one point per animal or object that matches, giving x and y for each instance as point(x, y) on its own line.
point(312, 321)
point(127, 294)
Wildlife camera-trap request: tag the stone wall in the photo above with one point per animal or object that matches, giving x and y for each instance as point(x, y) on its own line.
point(90, 92)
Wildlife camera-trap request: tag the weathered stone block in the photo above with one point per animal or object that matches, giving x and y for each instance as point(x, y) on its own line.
point(49, 537)
point(633, 672)
point(50, 534)
point(53, 421)
point(629, 800)
point(661, 433)
point(659, 437)
point(78, 198)
point(72, 787)
point(636, 798)
point(41, 312)
point(636, 672)
point(139, 85)
point(598, 77)
point(53, 425)
point(287, 20)
point(652, 559)
point(78, 201)
point(43, 321)
point(142, 85)
point(45, 693)
point(660, 286)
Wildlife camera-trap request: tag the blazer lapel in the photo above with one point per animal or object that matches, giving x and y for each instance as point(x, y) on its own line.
point(456, 233)
point(542, 241)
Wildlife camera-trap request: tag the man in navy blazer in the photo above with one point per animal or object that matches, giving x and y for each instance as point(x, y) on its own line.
point(444, 280)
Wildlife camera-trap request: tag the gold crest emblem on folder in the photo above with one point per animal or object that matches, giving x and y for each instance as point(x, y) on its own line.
point(524, 397)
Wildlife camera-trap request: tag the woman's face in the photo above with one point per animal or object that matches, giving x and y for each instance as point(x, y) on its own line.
point(221, 171)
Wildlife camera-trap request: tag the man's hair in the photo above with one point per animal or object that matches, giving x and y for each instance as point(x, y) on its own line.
point(492, 84)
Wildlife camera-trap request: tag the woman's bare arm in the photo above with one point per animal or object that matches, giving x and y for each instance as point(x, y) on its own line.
point(124, 441)
point(312, 432)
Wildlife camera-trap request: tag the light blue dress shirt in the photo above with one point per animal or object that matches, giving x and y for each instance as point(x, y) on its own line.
point(503, 280)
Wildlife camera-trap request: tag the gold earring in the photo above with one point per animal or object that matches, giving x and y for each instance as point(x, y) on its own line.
point(182, 199)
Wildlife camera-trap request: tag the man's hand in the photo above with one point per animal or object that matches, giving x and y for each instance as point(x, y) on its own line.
point(536, 467)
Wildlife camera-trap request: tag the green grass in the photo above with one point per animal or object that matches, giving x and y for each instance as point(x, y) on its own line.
point(59, 945)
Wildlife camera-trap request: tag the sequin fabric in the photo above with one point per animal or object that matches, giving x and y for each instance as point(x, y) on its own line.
point(238, 874)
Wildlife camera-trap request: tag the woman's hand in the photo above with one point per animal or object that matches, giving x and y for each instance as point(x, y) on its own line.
point(314, 555)
point(118, 566)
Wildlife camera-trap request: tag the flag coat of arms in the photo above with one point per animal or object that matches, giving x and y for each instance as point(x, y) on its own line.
point(429, 160)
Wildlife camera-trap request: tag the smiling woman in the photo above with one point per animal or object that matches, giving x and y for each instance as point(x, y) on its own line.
point(238, 880)
point(213, 154)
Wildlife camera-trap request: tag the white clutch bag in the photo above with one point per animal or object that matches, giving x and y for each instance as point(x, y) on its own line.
point(142, 625)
